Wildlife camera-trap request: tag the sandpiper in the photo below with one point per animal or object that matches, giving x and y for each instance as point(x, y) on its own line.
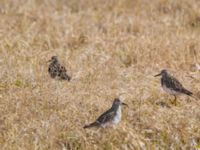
point(56, 70)
point(110, 117)
point(171, 85)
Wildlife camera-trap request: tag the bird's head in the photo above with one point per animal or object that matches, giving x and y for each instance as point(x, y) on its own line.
point(54, 59)
point(163, 72)
point(118, 102)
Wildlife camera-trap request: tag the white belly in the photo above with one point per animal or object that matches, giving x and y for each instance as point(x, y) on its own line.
point(118, 116)
point(168, 90)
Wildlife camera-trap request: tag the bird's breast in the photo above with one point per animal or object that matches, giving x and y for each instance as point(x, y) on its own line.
point(169, 90)
point(118, 116)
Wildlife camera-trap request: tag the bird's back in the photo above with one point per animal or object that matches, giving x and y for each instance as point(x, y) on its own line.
point(173, 84)
point(59, 71)
point(107, 116)
point(63, 73)
point(53, 70)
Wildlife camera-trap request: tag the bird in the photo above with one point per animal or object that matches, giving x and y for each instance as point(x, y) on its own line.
point(171, 85)
point(56, 70)
point(111, 117)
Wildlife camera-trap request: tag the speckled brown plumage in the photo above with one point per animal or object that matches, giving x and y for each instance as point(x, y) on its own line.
point(56, 70)
point(171, 85)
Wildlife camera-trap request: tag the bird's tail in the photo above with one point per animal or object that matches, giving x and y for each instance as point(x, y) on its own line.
point(185, 91)
point(94, 124)
point(66, 77)
point(190, 94)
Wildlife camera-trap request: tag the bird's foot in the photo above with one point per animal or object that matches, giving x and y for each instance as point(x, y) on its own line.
point(174, 102)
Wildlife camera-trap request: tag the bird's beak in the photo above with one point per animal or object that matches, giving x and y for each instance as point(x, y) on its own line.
point(157, 75)
point(48, 60)
point(124, 104)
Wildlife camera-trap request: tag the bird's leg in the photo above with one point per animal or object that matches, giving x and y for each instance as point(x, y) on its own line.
point(174, 101)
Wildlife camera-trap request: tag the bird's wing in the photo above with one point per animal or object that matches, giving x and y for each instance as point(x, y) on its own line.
point(62, 69)
point(53, 70)
point(106, 116)
point(63, 73)
point(174, 84)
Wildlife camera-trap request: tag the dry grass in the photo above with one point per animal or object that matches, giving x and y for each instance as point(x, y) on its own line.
point(111, 48)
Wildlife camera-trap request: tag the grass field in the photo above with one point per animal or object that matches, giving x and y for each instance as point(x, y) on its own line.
point(111, 48)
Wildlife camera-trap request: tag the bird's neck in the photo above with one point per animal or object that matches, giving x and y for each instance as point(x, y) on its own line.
point(164, 76)
point(116, 107)
point(55, 62)
point(119, 108)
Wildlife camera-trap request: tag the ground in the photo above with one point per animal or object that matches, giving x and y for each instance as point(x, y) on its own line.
point(111, 48)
